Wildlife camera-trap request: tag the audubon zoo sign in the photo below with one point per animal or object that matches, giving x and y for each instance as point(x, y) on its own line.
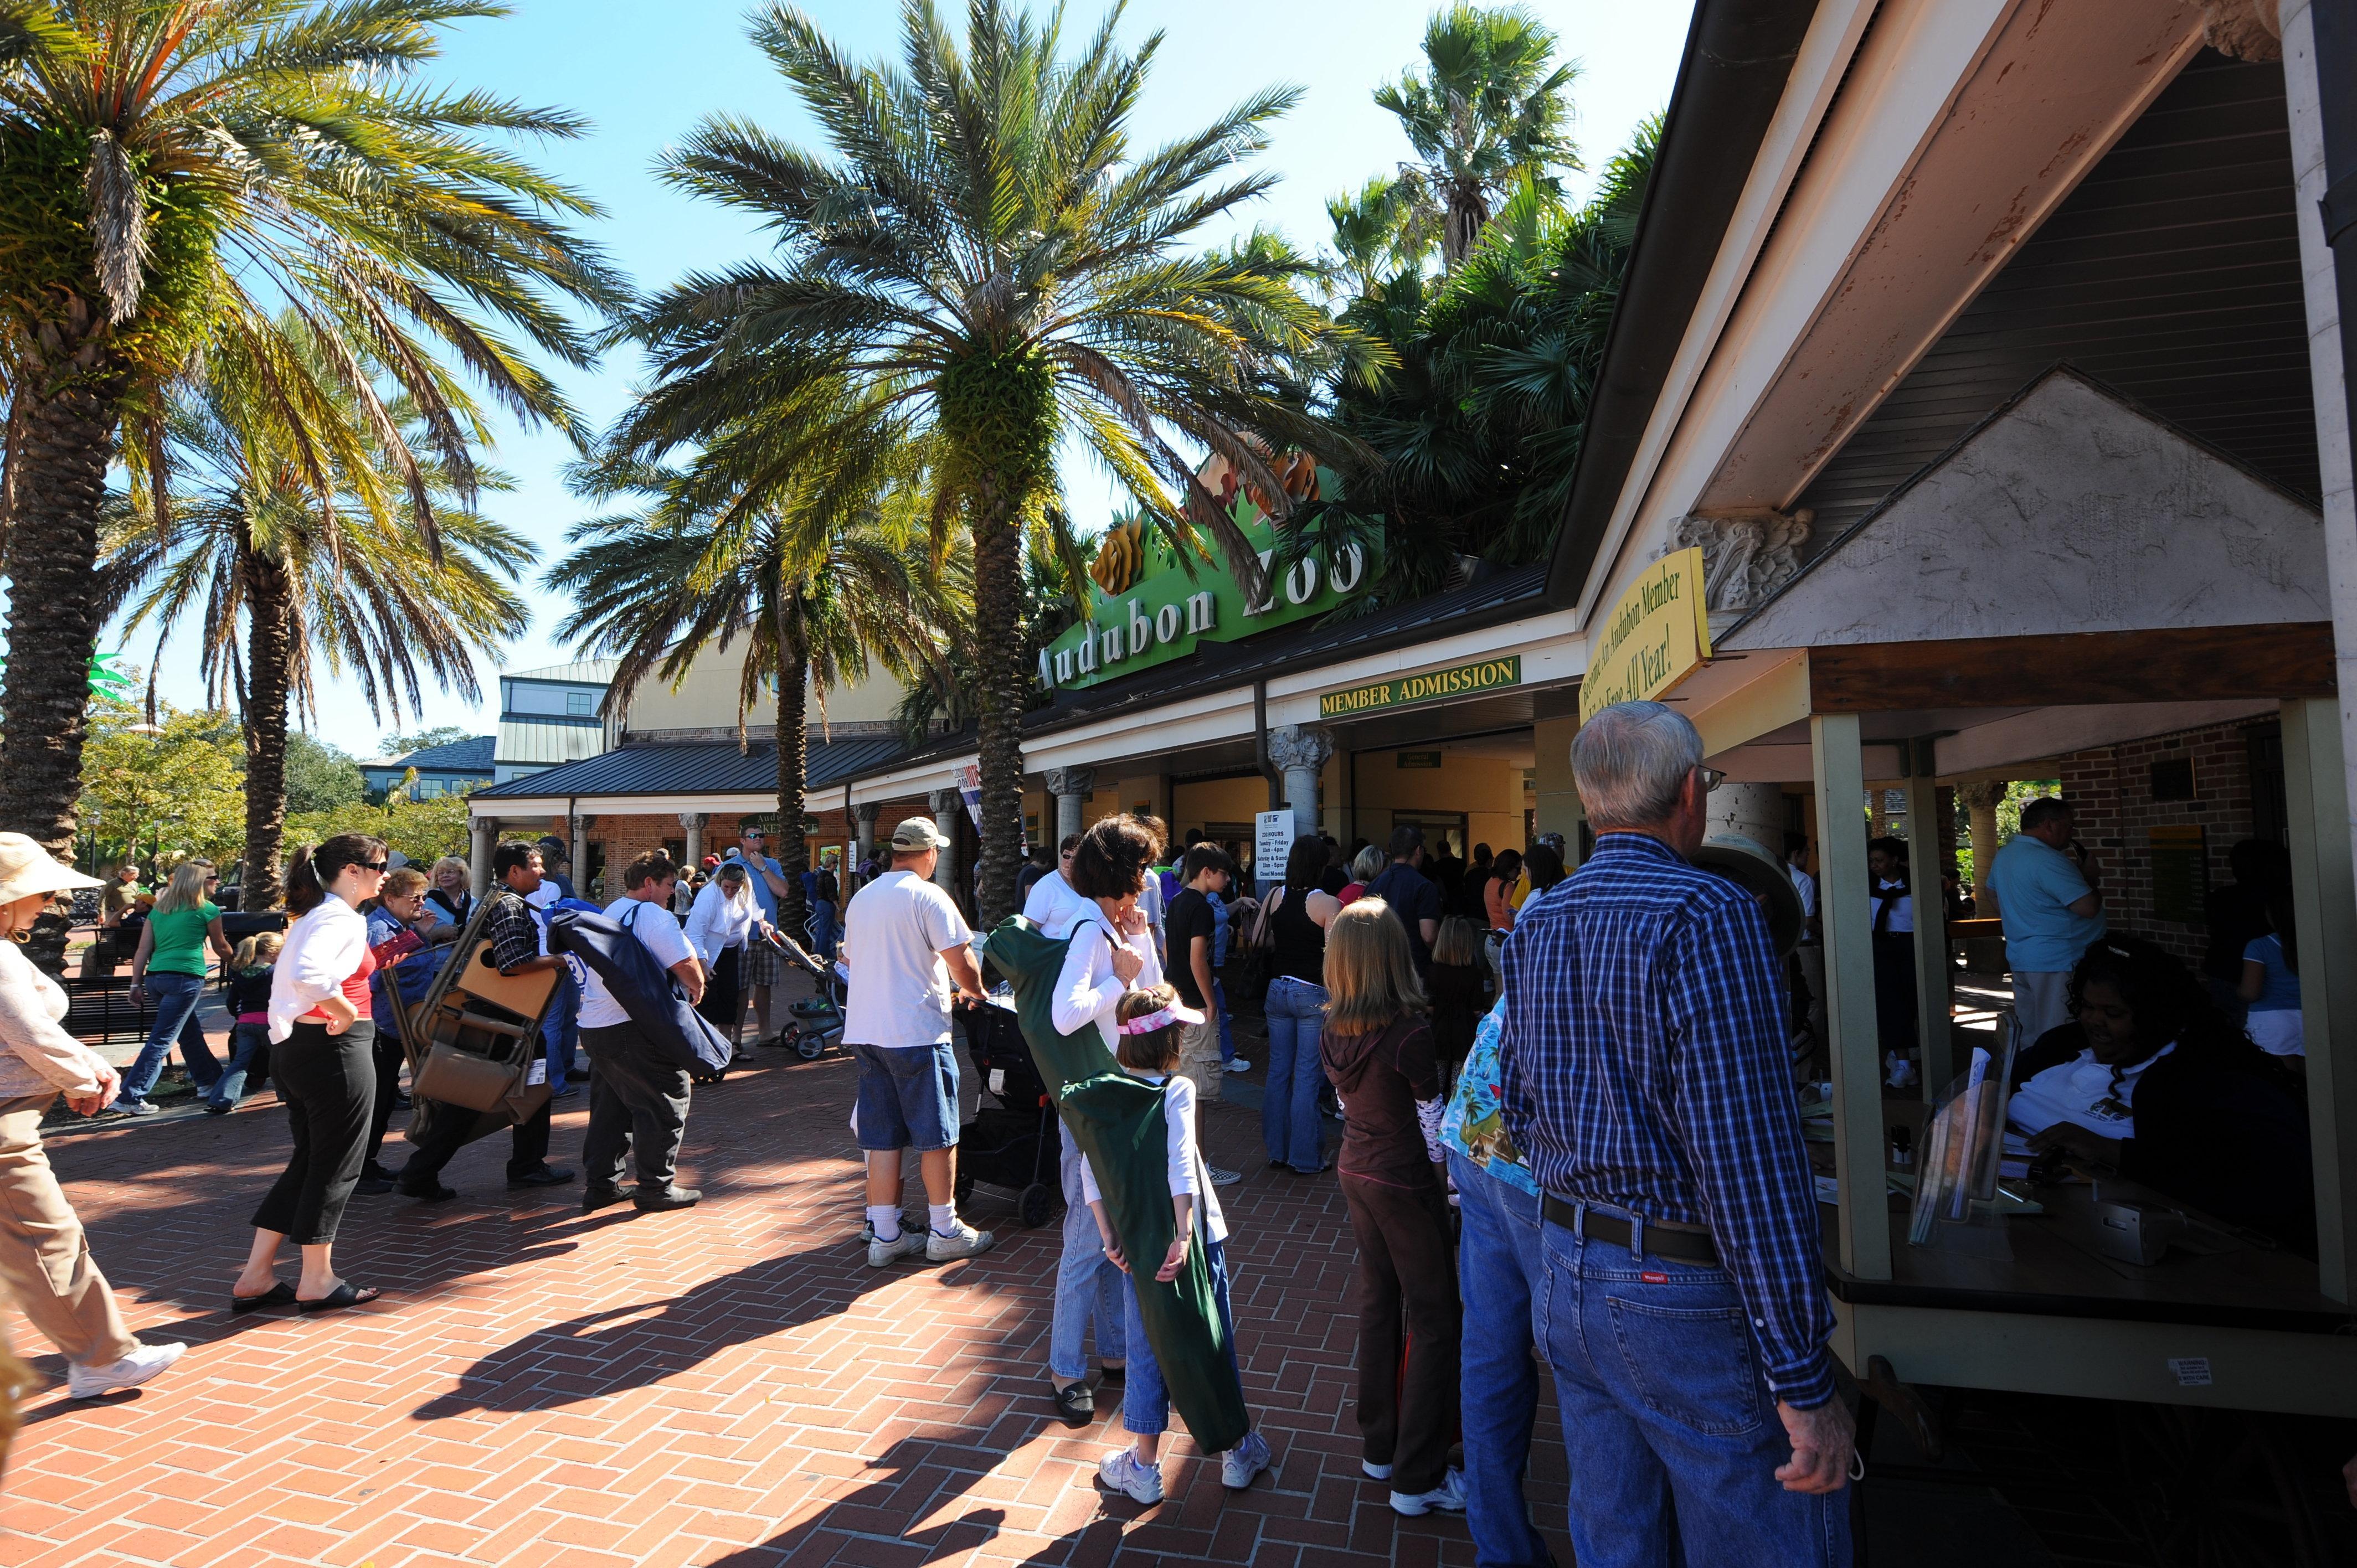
point(1147, 609)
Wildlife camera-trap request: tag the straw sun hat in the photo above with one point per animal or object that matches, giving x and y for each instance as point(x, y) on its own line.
point(26, 868)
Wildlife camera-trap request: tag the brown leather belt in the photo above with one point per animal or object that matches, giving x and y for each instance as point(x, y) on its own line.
point(1685, 1246)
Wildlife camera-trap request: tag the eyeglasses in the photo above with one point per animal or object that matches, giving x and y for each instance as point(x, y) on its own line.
point(1712, 778)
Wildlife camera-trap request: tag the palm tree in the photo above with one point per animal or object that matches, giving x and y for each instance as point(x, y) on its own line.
point(983, 261)
point(174, 172)
point(820, 598)
point(1487, 112)
point(317, 580)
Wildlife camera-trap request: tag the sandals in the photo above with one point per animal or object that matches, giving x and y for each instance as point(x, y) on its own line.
point(342, 1296)
point(279, 1295)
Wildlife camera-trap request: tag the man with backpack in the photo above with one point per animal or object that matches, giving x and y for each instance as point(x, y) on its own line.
point(637, 1103)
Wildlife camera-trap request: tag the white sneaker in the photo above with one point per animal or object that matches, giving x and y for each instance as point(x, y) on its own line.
point(1239, 1464)
point(1223, 1179)
point(145, 1362)
point(1138, 1483)
point(884, 1254)
point(1375, 1472)
point(966, 1241)
point(1239, 1064)
point(1448, 1497)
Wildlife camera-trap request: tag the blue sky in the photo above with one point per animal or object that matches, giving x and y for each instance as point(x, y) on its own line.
point(645, 73)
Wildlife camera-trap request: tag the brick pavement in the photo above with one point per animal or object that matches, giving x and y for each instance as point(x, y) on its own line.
point(727, 1385)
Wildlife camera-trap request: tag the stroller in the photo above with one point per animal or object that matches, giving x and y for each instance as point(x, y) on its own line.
point(817, 1027)
point(1014, 1144)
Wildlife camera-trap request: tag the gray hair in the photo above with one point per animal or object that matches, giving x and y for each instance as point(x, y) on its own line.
point(1630, 760)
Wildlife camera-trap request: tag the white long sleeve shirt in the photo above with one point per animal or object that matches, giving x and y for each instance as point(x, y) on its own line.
point(1088, 989)
point(37, 1056)
point(1187, 1171)
point(717, 922)
point(323, 950)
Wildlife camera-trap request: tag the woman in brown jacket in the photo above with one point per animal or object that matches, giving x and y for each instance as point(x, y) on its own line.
point(1378, 1051)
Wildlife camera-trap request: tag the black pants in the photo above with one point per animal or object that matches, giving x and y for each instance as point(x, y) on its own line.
point(1409, 1321)
point(635, 1108)
point(723, 997)
point(454, 1129)
point(329, 1084)
point(1894, 991)
point(389, 1058)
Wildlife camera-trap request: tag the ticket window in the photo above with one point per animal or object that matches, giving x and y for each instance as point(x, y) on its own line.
point(1440, 829)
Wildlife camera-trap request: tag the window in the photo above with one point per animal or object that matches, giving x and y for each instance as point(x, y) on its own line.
point(429, 789)
point(580, 702)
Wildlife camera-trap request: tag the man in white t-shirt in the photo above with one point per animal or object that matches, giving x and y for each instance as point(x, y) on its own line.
point(637, 1106)
point(905, 943)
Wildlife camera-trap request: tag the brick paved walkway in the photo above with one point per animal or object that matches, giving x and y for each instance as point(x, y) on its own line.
point(726, 1385)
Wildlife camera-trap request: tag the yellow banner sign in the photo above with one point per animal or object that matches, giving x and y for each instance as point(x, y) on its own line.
point(1485, 675)
point(1656, 635)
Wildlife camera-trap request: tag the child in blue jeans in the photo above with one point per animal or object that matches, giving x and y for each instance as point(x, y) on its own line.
point(1150, 1049)
point(251, 967)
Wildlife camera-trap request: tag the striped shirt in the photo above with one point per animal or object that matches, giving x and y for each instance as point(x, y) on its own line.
point(1643, 1067)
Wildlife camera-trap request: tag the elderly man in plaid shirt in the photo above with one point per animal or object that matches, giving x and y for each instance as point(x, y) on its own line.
point(1645, 1077)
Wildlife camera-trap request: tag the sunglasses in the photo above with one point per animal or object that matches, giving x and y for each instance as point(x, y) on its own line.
point(374, 864)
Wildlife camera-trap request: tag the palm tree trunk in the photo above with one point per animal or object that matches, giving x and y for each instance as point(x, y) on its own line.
point(793, 762)
point(269, 597)
point(66, 423)
point(1005, 684)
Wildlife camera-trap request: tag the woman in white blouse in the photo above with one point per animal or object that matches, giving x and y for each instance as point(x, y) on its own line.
point(45, 1261)
point(323, 1063)
point(1112, 951)
point(722, 920)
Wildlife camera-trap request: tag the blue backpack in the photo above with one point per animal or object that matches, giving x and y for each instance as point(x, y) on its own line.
point(681, 1038)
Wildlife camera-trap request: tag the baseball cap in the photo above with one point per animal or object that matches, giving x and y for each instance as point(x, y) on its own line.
point(918, 833)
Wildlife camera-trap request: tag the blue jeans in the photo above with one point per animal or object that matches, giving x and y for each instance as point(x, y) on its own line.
point(1145, 1401)
point(1499, 1267)
point(1227, 1021)
point(245, 1042)
point(1289, 1107)
point(1088, 1285)
point(1667, 1422)
point(561, 1029)
point(175, 998)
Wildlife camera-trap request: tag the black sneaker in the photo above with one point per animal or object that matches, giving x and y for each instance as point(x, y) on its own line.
point(372, 1186)
point(436, 1193)
point(669, 1198)
point(546, 1176)
point(598, 1195)
point(1076, 1403)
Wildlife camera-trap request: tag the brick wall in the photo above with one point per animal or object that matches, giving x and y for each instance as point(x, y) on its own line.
point(2111, 794)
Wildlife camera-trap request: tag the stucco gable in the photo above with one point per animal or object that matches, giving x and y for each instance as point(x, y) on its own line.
point(2069, 509)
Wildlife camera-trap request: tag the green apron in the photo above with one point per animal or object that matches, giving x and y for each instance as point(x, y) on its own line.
point(1116, 1120)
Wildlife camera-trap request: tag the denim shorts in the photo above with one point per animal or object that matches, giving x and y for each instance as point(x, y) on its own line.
point(908, 1096)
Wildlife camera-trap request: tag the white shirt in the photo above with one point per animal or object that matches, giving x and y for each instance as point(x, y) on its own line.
point(1054, 907)
point(1087, 989)
point(37, 1056)
point(894, 934)
point(1806, 885)
point(658, 931)
point(2080, 1091)
point(717, 922)
point(323, 950)
point(1902, 913)
point(1186, 1163)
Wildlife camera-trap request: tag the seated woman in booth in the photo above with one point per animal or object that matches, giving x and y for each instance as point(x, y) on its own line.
point(2150, 1079)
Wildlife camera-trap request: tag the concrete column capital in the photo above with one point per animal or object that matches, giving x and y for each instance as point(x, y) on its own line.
point(694, 819)
point(863, 813)
point(1300, 748)
point(1061, 782)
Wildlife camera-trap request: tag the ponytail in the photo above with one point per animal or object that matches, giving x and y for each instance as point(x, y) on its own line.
point(315, 866)
point(304, 891)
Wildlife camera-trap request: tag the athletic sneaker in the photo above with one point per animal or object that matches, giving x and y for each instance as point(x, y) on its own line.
point(137, 1107)
point(1448, 1497)
point(1375, 1472)
point(1239, 1064)
point(1223, 1179)
point(1239, 1464)
point(144, 1363)
point(884, 1254)
point(965, 1241)
point(1138, 1483)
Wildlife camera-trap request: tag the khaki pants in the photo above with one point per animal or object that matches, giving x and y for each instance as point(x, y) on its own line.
point(1198, 1056)
point(45, 1261)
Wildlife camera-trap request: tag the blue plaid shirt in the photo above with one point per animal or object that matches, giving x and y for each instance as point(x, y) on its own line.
point(1643, 1067)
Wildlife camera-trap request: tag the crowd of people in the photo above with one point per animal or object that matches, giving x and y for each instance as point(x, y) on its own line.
point(1579, 1093)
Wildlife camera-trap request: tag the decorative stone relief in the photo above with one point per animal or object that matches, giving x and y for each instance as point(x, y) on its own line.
point(2243, 29)
point(1303, 748)
point(1062, 781)
point(1746, 555)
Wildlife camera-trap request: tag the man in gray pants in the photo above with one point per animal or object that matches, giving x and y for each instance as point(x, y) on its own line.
point(637, 1105)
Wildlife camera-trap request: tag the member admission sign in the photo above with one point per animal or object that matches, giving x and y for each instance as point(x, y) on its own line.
point(1657, 635)
point(1459, 680)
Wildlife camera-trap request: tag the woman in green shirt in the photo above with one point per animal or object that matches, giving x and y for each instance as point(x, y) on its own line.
point(170, 967)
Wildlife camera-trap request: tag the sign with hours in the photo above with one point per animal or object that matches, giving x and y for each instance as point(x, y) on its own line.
point(1655, 637)
point(1271, 842)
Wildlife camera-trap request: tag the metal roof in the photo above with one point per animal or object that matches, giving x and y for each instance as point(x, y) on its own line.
point(2171, 274)
point(533, 744)
point(703, 769)
point(472, 755)
point(581, 671)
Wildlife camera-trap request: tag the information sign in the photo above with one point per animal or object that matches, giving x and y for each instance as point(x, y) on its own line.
point(1271, 842)
point(1656, 635)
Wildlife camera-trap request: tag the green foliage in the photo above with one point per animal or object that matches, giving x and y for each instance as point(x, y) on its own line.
point(398, 744)
point(425, 831)
point(319, 776)
point(181, 792)
point(998, 422)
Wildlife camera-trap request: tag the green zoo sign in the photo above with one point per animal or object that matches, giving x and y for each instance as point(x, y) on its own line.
point(1167, 612)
